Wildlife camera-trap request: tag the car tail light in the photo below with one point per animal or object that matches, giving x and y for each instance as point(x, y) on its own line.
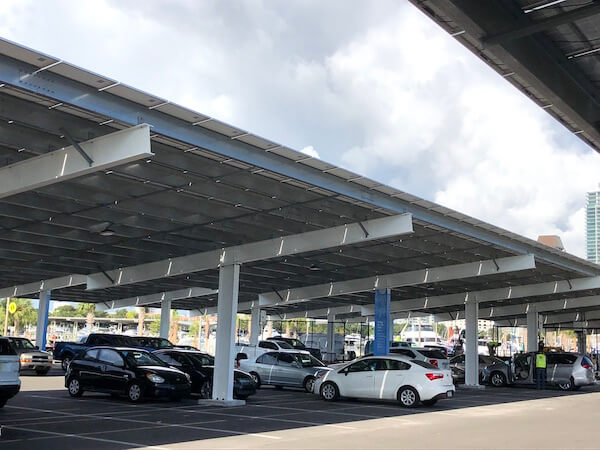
point(433, 362)
point(585, 365)
point(434, 376)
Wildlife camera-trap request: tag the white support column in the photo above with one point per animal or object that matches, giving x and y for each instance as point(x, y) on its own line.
point(330, 338)
point(229, 277)
point(255, 326)
point(532, 325)
point(471, 337)
point(165, 318)
point(42, 320)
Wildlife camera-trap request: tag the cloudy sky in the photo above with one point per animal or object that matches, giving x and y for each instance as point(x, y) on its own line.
point(375, 87)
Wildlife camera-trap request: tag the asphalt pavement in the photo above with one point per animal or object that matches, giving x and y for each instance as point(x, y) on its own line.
point(43, 416)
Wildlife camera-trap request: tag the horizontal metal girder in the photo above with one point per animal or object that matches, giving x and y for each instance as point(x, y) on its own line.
point(540, 307)
point(45, 285)
point(150, 299)
point(383, 227)
point(543, 24)
point(107, 151)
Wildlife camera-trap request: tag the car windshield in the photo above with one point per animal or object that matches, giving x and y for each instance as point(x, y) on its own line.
point(155, 343)
point(22, 344)
point(296, 344)
point(202, 360)
point(284, 345)
point(433, 353)
point(423, 364)
point(137, 358)
point(489, 360)
point(308, 360)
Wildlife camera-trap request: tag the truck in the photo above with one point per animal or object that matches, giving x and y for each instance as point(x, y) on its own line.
point(66, 351)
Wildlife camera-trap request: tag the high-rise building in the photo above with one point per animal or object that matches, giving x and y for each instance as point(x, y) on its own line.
point(592, 226)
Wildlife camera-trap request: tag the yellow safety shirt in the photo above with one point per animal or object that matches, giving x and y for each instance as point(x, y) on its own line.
point(540, 361)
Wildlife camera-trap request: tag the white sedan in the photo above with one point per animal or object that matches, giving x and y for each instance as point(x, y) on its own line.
point(389, 377)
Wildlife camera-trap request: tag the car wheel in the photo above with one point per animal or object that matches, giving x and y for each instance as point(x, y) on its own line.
point(329, 392)
point(566, 386)
point(408, 397)
point(429, 402)
point(206, 389)
point(74, 387)
point(498, 379)
point(256, 379)
point(3, 402)
point(135, 394)
point(42, 371)
point(309, 384)
point(65, 362)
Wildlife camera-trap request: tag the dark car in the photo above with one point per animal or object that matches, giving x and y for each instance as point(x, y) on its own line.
point(200, 367)
point(133, 372)
point(298, 345)
point(150, 343)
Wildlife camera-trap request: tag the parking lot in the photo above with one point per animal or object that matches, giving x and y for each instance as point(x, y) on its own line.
point(44, 416)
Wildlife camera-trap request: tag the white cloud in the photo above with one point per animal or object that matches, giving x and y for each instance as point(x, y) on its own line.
point(384, 92)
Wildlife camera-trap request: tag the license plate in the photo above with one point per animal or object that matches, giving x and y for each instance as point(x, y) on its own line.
point(449, 394)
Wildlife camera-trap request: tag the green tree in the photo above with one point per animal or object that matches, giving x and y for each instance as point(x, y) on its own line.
point(120, 313)
point(87, 310)
point(131, 314)
point(25, 314)
point(154, 327)
point(64, 311)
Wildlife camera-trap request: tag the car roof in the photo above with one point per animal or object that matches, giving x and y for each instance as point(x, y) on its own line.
point(120, 349)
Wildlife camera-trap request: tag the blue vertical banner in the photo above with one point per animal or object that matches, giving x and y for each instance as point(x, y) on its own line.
point(382, 322)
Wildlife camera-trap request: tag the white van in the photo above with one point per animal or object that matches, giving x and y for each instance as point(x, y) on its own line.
point(10, 384)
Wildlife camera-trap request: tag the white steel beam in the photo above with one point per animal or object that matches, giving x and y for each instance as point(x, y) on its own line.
point(570, 317)
point(424, 276)
point(142, 300)
point(540, 307)
point(107, 151)
point(256, 251)
point(44, 285)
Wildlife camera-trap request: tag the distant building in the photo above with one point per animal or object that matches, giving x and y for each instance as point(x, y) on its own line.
point(551, 240)
point(592, 226)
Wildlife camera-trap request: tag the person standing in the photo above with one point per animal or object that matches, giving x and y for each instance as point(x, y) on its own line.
point(540, 369)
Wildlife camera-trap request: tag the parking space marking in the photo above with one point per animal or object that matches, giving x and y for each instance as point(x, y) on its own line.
point(75, 436)
point(174, 425)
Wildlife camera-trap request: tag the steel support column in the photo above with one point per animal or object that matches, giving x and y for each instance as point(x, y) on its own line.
point(331, 338)
point(254, 325)
point(229, 278)
point(532, 330)
point(382, 322)
point(42, 319)
point(165, 318)
point(471, 337)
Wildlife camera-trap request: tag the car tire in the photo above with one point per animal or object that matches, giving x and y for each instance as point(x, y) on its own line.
point(329, 392)
point(429, 402)
point(309, 384)
point(3, 402)
point(568, 386)
point(206, 390)
point(74, 387)
point(42, 371)
point(65, 362)
point(497, 379)
point(408, 397)
point(135, 393)
point(256, 379)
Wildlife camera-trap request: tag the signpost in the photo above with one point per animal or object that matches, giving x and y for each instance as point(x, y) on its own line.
point(10, 308)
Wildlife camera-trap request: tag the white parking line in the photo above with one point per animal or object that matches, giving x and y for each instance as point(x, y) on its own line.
point(54, 433)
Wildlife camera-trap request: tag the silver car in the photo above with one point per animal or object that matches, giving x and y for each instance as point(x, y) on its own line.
point(30, 356)
point(492, 370)
point(568, 371)
point(284, 368)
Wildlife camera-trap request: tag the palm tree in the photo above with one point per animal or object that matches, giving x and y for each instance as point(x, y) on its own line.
point(89, 310)
point(141, 317)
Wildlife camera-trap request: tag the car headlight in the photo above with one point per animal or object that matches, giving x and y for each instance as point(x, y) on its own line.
point(155, 378)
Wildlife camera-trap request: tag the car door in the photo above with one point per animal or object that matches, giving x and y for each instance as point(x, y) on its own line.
point(113, 376)
point(264, 366)
point(358, 379)
point(390, 375)
point(286, 373)
point(89, 369)
point(522, 369)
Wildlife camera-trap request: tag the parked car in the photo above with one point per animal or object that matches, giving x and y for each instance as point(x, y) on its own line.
point(370, 345)
point(200, 367)
point(149, 343)
point(284, 368)
point(392, 377)
point(297, 344)
point(568, 371)
point(432, 356)
point(253, 351)
point(133, 372)
point(10, 384)
point(66, 351)
point(492, 370)
point(30, 357)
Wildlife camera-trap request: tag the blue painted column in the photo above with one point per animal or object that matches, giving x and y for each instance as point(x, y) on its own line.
point(382, 322)
point(42, 319)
